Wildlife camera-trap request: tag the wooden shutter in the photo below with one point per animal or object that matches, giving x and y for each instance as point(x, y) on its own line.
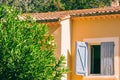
point(81, 58)
point(107, 58)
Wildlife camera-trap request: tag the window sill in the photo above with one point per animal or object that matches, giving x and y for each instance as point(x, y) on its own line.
point(101, 76)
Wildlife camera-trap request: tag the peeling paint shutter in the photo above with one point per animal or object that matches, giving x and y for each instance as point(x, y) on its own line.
point(81, 58)
point(107, 58)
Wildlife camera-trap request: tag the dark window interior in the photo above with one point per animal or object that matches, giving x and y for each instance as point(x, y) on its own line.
point(95, 59)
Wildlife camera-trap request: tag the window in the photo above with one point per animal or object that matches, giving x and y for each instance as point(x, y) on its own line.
point(101, 58)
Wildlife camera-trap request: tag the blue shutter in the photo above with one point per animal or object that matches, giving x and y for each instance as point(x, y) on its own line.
point(107, 58)
point(81, 58)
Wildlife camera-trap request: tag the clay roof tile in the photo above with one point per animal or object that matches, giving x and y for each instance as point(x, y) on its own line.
point(81, 12)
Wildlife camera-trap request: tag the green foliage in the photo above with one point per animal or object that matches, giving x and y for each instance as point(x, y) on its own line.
point(54, 5)
point(83, 4)
point(26, 49)
point(34, 5)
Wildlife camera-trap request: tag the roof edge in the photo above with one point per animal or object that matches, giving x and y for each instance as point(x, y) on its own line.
point(95, 14)
point(48, 20)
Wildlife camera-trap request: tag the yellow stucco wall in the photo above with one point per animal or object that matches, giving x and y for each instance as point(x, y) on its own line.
point(94, 27)
point(55, 30)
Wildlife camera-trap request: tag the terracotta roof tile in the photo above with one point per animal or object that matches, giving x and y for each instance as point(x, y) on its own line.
point(82, 12)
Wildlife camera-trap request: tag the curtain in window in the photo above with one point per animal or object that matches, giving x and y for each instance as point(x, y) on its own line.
point(107, 58)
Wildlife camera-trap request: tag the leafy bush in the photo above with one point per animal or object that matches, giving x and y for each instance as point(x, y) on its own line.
point(26, 49)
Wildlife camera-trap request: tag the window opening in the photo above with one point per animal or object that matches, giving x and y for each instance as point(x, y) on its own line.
point(95, 59)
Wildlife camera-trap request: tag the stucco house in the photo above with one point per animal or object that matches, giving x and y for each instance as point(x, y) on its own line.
point(90, 40)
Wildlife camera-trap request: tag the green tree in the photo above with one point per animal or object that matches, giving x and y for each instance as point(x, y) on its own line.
point(26, 49)
point(34, 5)
point(54, 5)
point(84, 4)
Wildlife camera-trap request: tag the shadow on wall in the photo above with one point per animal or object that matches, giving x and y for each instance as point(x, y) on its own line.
point(69, 64)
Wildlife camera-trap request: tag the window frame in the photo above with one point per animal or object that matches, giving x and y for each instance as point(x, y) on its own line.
point(97, 41)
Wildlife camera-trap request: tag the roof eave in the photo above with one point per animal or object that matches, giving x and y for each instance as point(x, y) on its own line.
point(48, 20)
point(96, 14)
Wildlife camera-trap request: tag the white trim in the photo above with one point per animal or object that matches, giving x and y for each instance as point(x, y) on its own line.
point(103, 77)
point(65, 42)
point(116, 49)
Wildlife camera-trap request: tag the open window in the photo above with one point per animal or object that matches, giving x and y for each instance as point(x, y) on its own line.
point(101, 58)
point(95, 59)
